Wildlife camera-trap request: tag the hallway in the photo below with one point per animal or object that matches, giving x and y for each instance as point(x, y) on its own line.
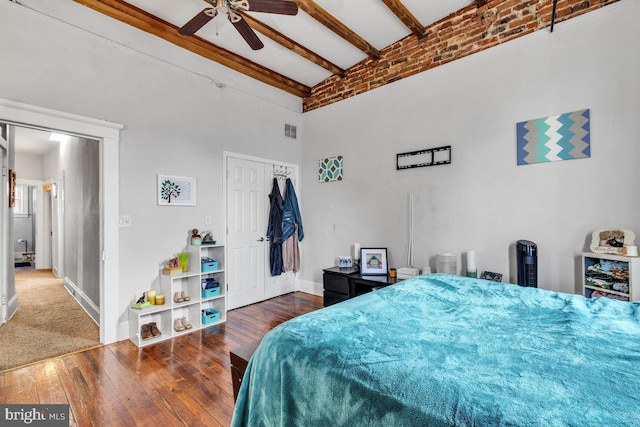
point(48, 323)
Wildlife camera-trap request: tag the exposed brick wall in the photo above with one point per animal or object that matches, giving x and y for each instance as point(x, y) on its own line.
point(467, 31)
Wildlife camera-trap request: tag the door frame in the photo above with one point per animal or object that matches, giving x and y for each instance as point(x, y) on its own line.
point(225, 177)
point(57, 226)
point(4, 226)
point(108, 135)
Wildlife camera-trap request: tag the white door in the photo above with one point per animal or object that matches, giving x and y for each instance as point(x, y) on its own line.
point(246, 241)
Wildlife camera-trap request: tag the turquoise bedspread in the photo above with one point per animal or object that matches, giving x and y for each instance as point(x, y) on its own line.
point(442, 350)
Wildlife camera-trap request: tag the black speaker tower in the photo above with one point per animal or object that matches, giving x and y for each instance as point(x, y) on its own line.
point(527, 257)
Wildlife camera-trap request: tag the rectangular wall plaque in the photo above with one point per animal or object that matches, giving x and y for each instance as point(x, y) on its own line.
point(422, 158)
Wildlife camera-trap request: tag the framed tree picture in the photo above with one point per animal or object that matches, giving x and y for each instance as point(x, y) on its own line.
point(176, 191)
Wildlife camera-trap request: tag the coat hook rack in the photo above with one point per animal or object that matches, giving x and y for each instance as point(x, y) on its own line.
point(281, 171)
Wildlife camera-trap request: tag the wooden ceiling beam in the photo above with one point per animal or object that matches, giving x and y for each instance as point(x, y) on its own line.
point(129, 14)
point(329, 21)
point(295, 47)
point(406, 17)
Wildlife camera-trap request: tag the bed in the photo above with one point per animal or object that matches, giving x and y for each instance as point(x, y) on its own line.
point(441, 350)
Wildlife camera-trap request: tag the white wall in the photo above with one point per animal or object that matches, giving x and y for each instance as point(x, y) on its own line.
point(79, 159)
point(176, 121)
point(483, 200)
point(30, 166)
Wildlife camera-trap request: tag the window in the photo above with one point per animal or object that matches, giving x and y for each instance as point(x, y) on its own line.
point(22, 201)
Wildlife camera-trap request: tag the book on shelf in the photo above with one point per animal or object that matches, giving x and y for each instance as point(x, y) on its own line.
point(172, 271)
point(140, 306)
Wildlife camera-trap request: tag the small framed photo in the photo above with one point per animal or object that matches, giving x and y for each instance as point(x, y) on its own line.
point(12, 188)
point(611, 241)
point(345, 262)
point(373, 261)
point(176, 191)
point(494, 277)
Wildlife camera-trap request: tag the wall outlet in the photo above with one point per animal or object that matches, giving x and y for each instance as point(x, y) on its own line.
point(124, 221)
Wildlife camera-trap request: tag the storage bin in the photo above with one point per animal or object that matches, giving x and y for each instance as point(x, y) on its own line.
point(209, 265)
point(211, 292)
point(209, 315)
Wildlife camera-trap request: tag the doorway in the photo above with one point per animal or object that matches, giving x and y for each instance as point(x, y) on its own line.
point(30, 247)
point(106, 232)
point(248, 184)
point(72, 164)
point(53, 322)
point(25, 216)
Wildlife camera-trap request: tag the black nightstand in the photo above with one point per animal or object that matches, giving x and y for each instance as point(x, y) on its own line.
point(340, 284)
point(336, 284)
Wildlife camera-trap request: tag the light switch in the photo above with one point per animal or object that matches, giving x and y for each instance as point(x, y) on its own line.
point(207, 219)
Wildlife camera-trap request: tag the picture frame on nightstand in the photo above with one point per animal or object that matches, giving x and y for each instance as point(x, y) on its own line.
point(345, 262)
point(373, 261)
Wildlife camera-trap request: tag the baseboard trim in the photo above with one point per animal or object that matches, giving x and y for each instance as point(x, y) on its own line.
point(83, 300)
point(309, 287)
point(12, 307)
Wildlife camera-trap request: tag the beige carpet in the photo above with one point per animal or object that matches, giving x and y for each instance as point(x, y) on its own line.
point(48, 323)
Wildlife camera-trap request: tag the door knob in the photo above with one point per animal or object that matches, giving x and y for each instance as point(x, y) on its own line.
point(260, 239)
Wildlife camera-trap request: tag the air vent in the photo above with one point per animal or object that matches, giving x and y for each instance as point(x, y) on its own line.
point(290, 131)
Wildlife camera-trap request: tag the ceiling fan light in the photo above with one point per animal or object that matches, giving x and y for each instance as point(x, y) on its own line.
point(234, 17)
point(239, 4)
point(58, 137)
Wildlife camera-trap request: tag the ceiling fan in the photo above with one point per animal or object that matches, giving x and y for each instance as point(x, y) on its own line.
point(233, 9)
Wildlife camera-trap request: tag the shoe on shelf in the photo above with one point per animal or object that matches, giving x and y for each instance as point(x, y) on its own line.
point(177, 297)
point(154, 329)
point(177, 325)
point(145, 332)
point(186, 323)
point(184, 296)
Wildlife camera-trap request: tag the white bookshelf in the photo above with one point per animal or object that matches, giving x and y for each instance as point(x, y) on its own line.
point(191, 283)
point(612, 276)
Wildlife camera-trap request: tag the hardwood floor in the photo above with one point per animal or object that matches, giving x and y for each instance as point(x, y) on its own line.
point(183, 381)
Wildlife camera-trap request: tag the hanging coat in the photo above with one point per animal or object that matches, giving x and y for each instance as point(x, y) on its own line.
point(291, 229)
point(291, 254)
point(291, 214)
point(274, 230)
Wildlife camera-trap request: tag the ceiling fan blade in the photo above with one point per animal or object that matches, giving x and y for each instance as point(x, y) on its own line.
point(247, 33)
point(197, 22)
point(282, 7)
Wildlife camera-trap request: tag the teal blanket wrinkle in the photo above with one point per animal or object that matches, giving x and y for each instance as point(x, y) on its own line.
point(441, 350)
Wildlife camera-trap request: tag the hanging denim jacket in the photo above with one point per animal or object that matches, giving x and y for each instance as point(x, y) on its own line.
point(291, 214)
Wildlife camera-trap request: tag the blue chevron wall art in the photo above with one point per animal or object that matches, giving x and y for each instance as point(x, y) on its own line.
point(549, 139)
